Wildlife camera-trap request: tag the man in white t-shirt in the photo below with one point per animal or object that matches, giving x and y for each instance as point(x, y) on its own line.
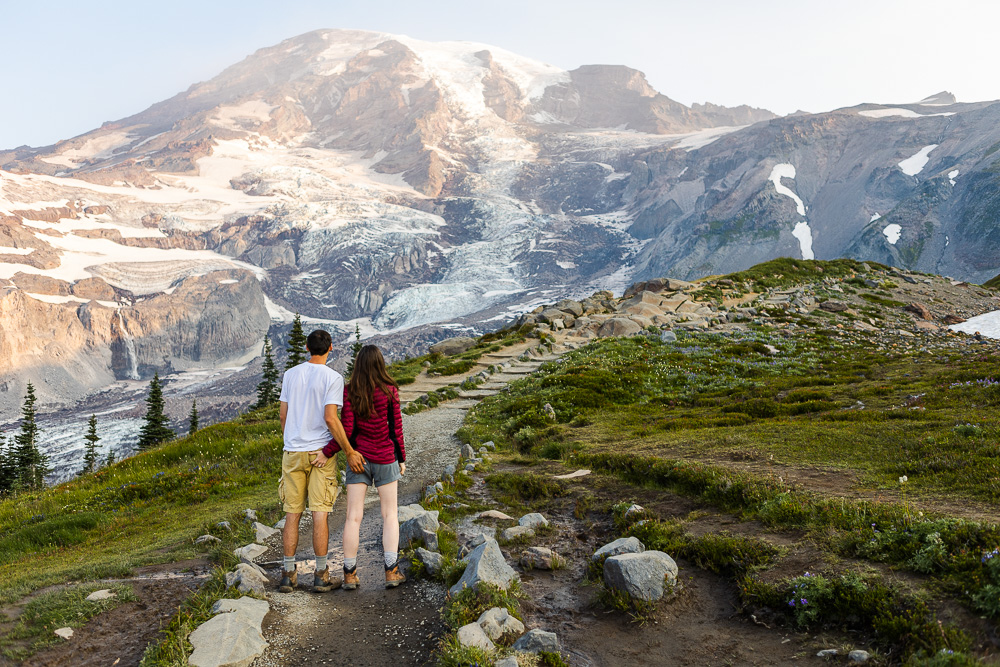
point(310, 395)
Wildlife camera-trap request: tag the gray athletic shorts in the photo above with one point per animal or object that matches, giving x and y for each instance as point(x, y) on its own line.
point(375, 473)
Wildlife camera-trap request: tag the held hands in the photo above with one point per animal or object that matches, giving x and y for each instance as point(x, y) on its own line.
point(320, 459)
point(356, 462)
point(402, 468)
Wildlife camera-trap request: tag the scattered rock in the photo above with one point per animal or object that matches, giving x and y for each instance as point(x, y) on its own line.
point(642, 575)
point(486, 564)
point(618, 326)
point(280, 524)
point(223, 525)
point(827, 653)
point(572, 475)
point(536, 641)
point(490, 444)
point(473, 635)
point(509, 661)
point(407, 512)
point(451, 346)
point(103, 594)
point(623, 545)
point(919, 309)
point(495, 514)
point(65, 633)
point(832, 306)
point(432, 561)
point(264, 533)
point(668, 336)
point(207, 539)
point(533, 520)
point(538, 558)
point(952, 318)
point(497, 622)
point(250, 515)
point(418, 527)
point(858, 656)
point(515, 532)
point(249, 552)
point(232, 638)
point(247, 579)
point(633, 510)
point(549, 411)
point(468, 452)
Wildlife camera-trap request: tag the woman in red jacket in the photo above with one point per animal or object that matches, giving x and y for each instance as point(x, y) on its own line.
point(374, 427)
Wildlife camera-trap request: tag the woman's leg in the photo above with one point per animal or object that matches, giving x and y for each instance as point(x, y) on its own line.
point(352, 524)
point(390, 517)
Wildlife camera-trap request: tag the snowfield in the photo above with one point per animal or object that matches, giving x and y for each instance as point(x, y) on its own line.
point(892, 233)
point(915, 164)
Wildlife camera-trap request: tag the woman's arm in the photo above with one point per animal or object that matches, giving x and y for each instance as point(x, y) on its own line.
point(397, 413)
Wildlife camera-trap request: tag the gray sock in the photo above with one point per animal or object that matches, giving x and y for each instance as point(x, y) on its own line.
point(320, 563)
point(289, 562)
point(390, 558)
point(350, 563)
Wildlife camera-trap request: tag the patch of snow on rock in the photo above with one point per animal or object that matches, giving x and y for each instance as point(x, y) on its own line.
point(804, 234)
point(988, 324)
point(785, 170)
point(892, 233)
point(952, 175)
point(902, 113)
point(875, 216)
point(914, 164)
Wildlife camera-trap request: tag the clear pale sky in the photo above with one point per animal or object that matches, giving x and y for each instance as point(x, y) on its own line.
point(70, 65)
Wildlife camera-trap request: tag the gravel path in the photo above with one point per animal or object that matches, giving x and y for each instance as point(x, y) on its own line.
point(371, 625)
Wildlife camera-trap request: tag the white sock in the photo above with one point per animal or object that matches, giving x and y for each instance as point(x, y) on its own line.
point(320, 563)
point(390, 558)
point(289, 562)
point(350, 563)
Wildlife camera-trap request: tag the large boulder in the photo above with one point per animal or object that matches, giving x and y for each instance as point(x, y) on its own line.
point(485, 564)
point(250, 552)
point(623, 545)
point(618, 326)
point(575, 308)
point(552, 314)
point(497, 622)
point(407, 512)
point(536, 641)
point(431, 560)
point(473, 635)
point(919, 310)
point(450, 346)
point(644, 576)
point(231, 638)
point(263, 532)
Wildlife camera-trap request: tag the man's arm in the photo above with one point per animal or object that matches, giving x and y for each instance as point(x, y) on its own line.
point(354, 458)
point(283, 414)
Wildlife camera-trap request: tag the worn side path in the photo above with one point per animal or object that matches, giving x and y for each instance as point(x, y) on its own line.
point(373, 626)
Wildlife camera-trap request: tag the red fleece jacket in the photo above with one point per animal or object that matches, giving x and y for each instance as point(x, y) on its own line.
point(373, 438)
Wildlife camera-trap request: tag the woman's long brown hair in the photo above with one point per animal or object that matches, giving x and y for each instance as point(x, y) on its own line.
point(369, 372)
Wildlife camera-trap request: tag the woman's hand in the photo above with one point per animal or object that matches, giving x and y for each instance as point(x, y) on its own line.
point(402, 468)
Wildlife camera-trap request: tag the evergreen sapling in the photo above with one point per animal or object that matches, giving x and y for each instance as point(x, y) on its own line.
point(267, 390)
point(30, 464)
point(193, 417)
point(296, 344)
point(155, 429)
point(90, 449)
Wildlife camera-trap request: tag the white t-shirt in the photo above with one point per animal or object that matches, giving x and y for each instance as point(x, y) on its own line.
point(308, 388)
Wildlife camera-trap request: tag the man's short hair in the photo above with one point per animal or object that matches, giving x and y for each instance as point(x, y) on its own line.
point(319, 343)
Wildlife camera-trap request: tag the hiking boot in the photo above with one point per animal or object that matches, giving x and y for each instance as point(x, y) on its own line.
point(393, 577)
point(288, 581)
point(323, 583)
point(351, 578)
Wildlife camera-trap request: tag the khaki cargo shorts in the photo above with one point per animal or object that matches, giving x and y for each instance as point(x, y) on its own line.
point(301, 479)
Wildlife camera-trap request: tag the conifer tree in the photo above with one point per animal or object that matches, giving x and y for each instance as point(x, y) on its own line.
point(355, 348)
point(193, 417)
point(111, 457)
point(8, 473)
point(30, 464)
point(267, 390)
point(156, 429)
point(90, 449)
point(297, 353)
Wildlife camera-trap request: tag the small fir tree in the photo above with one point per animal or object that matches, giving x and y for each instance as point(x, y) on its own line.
point(8, 473)
point(30, 463)
point(90, 449)
point(156, 428)
point(297, 353)
point(193, 417)
point(111, 457)
point(267, 390)
point(355, 348)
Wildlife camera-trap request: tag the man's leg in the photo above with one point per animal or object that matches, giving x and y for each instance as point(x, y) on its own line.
point(290, 534)
point(321, 533)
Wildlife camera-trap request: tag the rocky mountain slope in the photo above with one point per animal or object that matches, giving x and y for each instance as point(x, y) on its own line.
point(405, 186)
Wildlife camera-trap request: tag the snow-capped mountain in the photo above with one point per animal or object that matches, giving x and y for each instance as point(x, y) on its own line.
point(361, 177)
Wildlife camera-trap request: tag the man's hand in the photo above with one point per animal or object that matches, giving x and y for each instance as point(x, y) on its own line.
point(402, 468)
point(320, 459)
point(356, 461)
